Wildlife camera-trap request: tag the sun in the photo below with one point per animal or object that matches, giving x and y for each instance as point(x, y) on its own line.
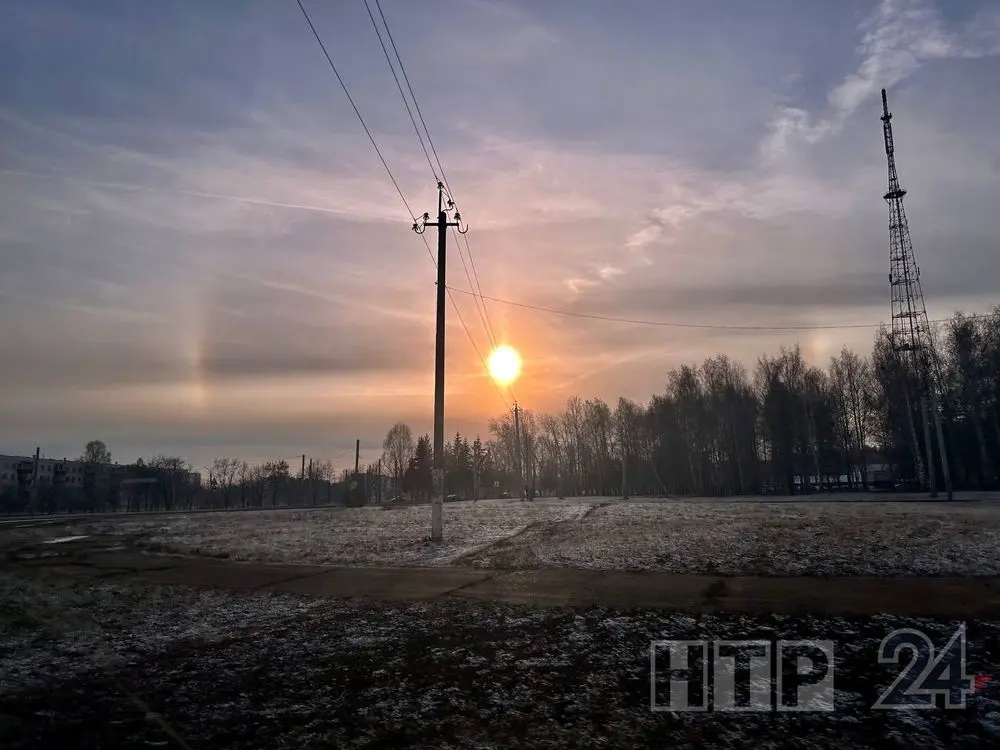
point(504, 364)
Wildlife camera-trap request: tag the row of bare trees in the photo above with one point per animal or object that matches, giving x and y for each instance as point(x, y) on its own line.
point(234, 483)
point(716, 429)
point(786, 426)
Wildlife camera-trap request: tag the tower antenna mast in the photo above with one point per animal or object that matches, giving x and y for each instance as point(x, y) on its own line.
point(911, 334)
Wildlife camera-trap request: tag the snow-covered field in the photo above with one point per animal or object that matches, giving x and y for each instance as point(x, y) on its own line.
point(760, 537)
point(106, 665)
point(809, 538)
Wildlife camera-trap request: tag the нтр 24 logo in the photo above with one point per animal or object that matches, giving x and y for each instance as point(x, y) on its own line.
point(927, 676)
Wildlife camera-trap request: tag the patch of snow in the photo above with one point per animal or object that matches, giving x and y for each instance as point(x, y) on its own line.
point(757, 536)
point(64, 539)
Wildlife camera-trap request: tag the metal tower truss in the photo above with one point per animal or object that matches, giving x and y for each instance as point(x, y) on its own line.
point(911, 333)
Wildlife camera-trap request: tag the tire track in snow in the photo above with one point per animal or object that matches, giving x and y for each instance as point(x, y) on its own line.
point(507, 552)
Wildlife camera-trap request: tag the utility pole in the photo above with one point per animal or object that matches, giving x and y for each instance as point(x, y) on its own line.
point(910, 328)
point(520, 452)
point(312, 484)
point(444, 207)
point(357, 454)
point(34, 479)
point(529, 467)
point(302, 472)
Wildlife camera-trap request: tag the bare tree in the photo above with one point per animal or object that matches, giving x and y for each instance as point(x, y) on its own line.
point(397, 449)
point(225, 471)
point(256, 478)
point(277, 474)
point(96, 452)
point(173, 475)
point(322, 477)
point(966, 381)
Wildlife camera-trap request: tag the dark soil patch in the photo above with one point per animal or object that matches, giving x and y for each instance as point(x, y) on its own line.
point(451, 674)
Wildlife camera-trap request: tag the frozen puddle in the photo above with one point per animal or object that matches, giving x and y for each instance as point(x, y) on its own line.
point(63, 539)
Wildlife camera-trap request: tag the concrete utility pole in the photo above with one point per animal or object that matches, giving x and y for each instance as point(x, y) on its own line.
point(444, 207)
point(520, 452)
point(624, 476)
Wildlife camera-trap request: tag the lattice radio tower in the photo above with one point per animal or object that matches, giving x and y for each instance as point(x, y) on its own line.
point(911, 333)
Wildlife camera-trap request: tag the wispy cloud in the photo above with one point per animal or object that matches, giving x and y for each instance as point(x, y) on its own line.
point(899, 37)
point(197, 233)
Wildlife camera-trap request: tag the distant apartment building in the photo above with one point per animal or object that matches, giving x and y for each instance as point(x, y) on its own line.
point(50, 470)
point(69, 472)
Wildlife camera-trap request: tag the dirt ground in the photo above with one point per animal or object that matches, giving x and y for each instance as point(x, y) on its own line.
point(179, 667)
point(116, 648)
point(930, 596)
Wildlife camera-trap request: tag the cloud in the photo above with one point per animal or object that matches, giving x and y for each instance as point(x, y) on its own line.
point(496, 33)
point(267, 330)
point(245, 361)
point(666, 302)
point(205, 251)
point(899, 37)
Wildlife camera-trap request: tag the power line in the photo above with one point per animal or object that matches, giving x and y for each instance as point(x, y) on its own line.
point(478, 353)
point(402, 197)
point(468, 333)
point(416, 104)
point(399, 86)
point(672, 324)
point(474, 277)
point(355, 107)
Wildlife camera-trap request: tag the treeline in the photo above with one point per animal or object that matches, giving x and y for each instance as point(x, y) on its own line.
point(717, 428)
point(470, 468)
point(785, 426)
point(92, 483)
point(234, 483)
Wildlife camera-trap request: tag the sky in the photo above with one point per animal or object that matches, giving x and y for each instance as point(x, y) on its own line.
point(202, 254)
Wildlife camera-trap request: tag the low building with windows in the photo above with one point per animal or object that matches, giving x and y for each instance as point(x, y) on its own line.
point(50, 470)
point(17, 476)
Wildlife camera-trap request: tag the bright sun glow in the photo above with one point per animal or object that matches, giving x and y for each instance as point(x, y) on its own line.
point(504, 364)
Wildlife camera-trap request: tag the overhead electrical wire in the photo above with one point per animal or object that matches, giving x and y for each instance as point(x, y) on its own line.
point(673, 324)
point(474, 276)
point(406, 103)
point(477, 292)
point(538, 308)
point(355, 107)
point(395, 183)
point(459, 238)
point(498, 300)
